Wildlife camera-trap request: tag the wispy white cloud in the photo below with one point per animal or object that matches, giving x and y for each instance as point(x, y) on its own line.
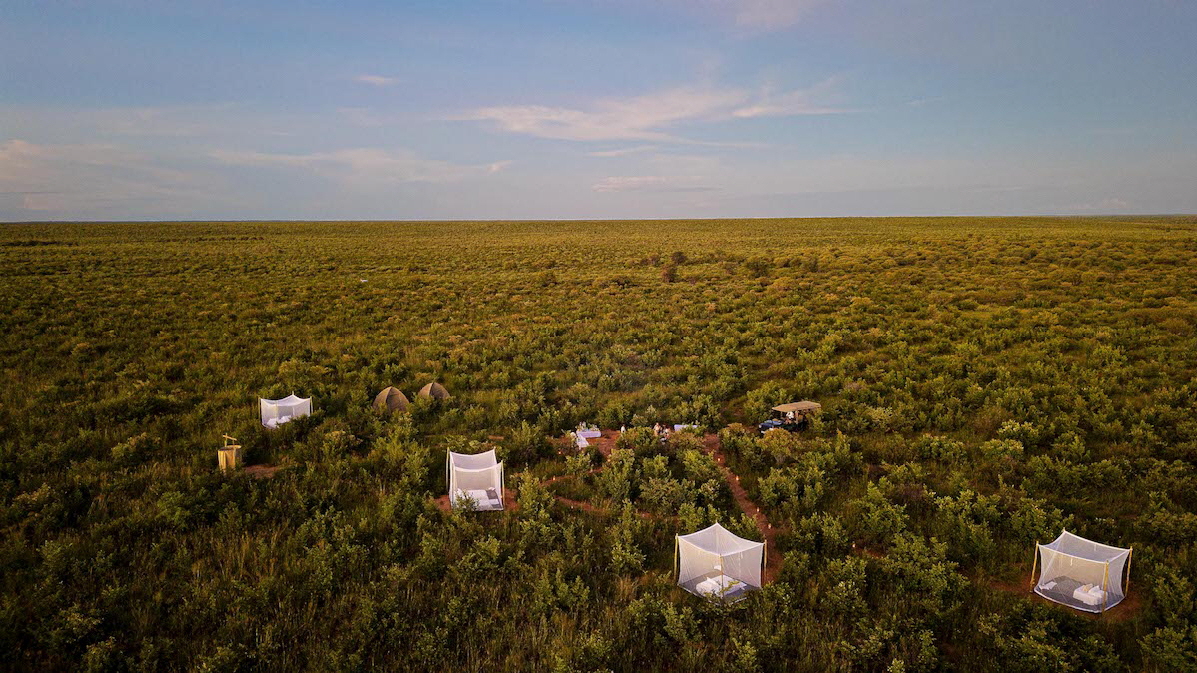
point(92, 180)
point(920, 102)
point(364, 167)
point(652, 116)
point(375, 80)
point(625, 151)
point(638, 118)
point(651, 183)
point(741, 16)
point(809, 101)
point(161, 121)
point(766, 15)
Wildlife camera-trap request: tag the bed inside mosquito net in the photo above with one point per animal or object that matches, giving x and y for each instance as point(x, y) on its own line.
point(1080, 573)
point(277, 412)
point(475, 480)
point(715, 563)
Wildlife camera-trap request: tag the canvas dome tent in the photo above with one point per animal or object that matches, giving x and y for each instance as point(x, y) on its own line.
point(435, 391)
point(476, 477)
point(277, 412)
point(1080, 573)
point(715, 563)
point(391, 399)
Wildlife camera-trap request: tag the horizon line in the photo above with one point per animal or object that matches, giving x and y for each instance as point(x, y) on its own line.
point(594, 219)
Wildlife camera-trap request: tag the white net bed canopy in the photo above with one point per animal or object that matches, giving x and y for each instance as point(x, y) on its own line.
point(1080, 573)
point(277, 412)
point(715, 563)
point(475, 480)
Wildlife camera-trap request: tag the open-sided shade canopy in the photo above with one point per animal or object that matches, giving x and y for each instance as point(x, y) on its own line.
point(798, 407)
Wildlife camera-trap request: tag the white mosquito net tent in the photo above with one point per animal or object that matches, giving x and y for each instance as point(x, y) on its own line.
point(475, 480)
point(715, 563)
point(1080, 573)
point(277, 412)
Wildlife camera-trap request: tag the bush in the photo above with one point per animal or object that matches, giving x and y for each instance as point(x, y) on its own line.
point(702, 411)
point(877, 519)
point(626, 556)
point(942, 449)
point(640, 441)
point(619, 479)
point(526, 444)
point(665, 496)
point(761, 400)
point(1025, 433)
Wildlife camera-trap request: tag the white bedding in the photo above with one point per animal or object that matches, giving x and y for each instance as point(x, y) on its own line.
point(719, 585)
point(275, 422)
point(1089, 594)
point(478, 495)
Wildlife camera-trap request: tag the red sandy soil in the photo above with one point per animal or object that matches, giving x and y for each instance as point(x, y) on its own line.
point(509, 503)
point(606, 443)
point(262, 471)
point(862, 550)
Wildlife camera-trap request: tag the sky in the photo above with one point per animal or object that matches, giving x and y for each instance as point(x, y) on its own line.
point(579, 109)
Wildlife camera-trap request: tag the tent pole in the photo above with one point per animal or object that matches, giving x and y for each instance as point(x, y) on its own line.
point(764, 558)
point(1034, 564)
point(1129, 556)
point(1105, 588)
point(676, 543)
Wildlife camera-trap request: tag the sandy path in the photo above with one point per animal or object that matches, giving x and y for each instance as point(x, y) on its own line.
point(774, 559)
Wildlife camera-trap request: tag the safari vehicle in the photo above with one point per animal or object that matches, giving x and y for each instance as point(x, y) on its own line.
point(793, 416)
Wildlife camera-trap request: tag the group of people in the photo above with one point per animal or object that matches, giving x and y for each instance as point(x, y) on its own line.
point(662, 431)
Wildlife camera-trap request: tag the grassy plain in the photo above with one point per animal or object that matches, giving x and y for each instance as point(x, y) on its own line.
point(985, 382)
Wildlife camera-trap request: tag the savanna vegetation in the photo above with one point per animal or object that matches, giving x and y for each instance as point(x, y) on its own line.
point(985, 383)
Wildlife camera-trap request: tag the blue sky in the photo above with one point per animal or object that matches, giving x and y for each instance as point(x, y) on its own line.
point(510, 109)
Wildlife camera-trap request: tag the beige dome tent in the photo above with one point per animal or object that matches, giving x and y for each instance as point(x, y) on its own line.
point(435, 391)
point(391, 399)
